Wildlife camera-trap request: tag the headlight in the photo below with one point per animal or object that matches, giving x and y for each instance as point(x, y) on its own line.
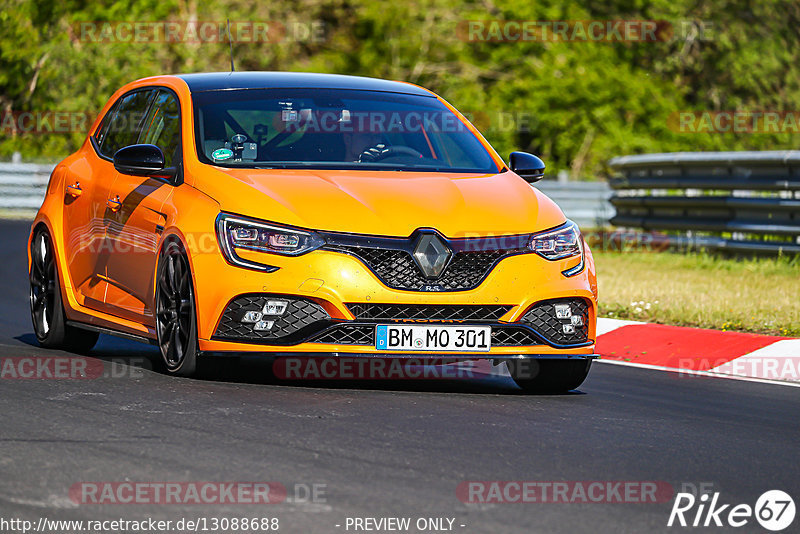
point(234, 232)
point(563, 242)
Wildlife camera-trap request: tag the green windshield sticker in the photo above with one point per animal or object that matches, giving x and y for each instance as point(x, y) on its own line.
point(222, 154)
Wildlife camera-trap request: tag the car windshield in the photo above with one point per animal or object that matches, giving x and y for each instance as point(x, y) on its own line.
point(334, 129)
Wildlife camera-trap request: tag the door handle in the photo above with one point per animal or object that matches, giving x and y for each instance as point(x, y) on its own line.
point(114, 204)
point(74, 190)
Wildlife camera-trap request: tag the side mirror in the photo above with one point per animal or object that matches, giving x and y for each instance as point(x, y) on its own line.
point(528, 166)
point(142, 160)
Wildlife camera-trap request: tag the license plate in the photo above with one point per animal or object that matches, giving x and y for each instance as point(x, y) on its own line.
point(433, 338)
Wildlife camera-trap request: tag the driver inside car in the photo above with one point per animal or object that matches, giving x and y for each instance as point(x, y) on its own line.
point(363, 146)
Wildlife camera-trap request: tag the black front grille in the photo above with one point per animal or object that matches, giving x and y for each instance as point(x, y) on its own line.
point(427, 312)
point(513, 336)
point(397, 269)
point(347, 334)
point(542, 318)
point(306, 321)
point(300, 319)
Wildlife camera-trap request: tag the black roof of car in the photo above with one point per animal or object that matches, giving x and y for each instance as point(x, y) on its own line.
point(215, 81)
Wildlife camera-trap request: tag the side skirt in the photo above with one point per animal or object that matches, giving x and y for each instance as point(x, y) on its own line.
point(109, 331)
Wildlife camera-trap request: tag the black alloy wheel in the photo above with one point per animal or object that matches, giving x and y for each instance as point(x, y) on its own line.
point(176, 325)
point(47, 310)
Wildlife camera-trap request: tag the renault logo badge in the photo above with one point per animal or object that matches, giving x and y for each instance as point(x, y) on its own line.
point(431, 255)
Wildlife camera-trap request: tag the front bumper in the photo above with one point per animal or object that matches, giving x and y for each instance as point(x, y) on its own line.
point(339, 286)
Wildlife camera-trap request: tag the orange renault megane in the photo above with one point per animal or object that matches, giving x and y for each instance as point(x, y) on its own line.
point(286, 214)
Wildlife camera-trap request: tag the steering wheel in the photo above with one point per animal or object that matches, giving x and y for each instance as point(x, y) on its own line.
point(381, 151)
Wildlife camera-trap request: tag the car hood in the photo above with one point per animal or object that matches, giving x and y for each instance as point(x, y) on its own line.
point(385, 203)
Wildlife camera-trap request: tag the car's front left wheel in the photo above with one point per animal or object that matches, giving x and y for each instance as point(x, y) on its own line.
point(176, 321)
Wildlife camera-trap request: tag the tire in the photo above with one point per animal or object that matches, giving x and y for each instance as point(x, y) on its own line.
point(175, 315)
point(47, 308)
point(548, 376)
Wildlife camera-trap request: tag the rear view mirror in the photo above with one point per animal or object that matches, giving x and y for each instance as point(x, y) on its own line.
point(142, 160)
point(528, 166)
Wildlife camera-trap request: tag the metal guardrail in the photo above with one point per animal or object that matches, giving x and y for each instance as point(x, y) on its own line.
point(23, 185)
point(738, 201)
point(22, 188)
point(586, 203)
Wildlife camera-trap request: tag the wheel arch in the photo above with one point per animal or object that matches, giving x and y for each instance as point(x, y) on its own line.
point(42, 221)
point(174, 235)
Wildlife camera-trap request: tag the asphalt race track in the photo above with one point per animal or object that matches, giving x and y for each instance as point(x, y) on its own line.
point(380, 448)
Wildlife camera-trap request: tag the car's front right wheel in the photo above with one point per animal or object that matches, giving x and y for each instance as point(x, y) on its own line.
point(543, 376)
point(176, 321)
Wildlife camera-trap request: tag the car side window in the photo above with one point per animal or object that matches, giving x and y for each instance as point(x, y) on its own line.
point(102, 130)
point(162, 127)
point(124, 127)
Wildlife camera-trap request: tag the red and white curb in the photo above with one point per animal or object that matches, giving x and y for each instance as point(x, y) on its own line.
point(698, 351)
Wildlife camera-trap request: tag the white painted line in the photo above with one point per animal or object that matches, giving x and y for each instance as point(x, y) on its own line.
point(710, 374)
point(606, 325)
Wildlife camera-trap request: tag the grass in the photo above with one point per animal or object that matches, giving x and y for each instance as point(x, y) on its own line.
point(753, 295)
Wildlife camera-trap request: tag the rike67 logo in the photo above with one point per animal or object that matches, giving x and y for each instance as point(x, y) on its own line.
point(774, 510)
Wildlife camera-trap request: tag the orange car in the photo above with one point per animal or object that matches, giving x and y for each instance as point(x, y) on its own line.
point(308, 214)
